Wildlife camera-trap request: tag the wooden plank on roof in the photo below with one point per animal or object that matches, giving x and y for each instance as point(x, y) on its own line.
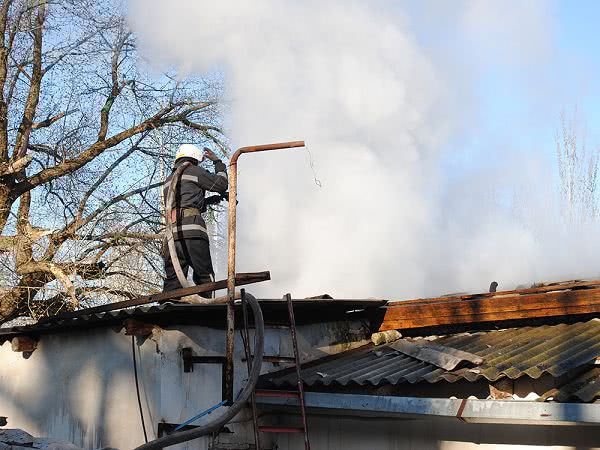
point(495, 305)
point(535, 290)
point(240, 280)
point(539, 305)
point(440, 356)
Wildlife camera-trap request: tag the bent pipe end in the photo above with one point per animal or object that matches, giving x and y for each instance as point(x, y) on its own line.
point(264, 147)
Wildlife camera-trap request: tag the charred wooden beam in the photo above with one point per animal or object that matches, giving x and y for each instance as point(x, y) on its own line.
point(551, 287)
point(490, 309)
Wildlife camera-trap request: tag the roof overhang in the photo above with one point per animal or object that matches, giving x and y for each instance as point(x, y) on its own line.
point(467, 410)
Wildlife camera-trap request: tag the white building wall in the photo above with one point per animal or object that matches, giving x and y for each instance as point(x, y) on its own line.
point(79, 385)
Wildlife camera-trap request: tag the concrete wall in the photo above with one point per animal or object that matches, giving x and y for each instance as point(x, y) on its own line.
point(79, 386)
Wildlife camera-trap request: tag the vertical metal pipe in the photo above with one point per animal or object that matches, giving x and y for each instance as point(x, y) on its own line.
point(231, 280)
point(231, 228)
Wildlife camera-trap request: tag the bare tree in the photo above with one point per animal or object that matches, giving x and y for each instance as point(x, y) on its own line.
point(79, 168)
point(578, 171)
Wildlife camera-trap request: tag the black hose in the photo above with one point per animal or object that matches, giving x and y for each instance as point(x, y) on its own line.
point(235, 408)
point(137, 387)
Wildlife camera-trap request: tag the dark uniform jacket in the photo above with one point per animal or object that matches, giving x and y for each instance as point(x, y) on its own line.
point(189, 198)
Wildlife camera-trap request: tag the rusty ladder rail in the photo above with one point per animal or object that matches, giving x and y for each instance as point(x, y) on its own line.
point(298, 394)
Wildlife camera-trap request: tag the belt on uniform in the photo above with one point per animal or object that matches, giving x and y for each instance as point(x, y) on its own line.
point(184, 212)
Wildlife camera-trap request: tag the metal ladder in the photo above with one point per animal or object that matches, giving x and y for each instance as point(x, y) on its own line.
point(297, 394)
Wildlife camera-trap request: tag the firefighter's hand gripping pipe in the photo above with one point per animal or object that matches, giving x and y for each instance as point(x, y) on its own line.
point(239, 403)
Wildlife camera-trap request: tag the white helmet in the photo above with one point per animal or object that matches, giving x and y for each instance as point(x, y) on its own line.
point(189, 151)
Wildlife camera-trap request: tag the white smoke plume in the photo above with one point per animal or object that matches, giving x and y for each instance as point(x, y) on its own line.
point(379, 107)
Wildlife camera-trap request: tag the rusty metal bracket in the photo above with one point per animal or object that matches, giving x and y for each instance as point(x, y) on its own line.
point(461, 409)
point(189, 360)
point(231, 282)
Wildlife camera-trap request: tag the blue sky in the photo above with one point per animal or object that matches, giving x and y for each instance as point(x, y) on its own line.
point(571, 68)
point(577, 39)
point(519, 89)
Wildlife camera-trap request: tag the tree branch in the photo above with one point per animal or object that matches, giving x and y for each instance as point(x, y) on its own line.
point(71, 165)
point(12, 167)
point(50, 120)
point(33, 97)
point(103, 177)
point(70, 229)
point(4, 51)
point(119, 236)
point(116, 88)
point(22, 70)
point(69, 49)
point(46, 149)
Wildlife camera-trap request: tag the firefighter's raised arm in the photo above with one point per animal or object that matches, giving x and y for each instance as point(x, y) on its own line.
point(214, 182)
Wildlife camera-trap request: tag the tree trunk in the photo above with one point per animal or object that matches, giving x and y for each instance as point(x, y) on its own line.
point(6, 201)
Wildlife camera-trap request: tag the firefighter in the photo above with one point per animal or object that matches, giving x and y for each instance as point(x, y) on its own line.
point(189, 228)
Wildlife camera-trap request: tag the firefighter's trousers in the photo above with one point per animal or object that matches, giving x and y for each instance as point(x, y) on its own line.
point(194, 253)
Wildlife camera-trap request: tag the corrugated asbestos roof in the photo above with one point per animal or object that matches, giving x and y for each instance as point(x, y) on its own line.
point(585, 387)
point(111, 316)
point(512, 353)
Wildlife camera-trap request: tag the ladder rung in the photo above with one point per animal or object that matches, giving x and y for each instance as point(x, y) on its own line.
point(279, 394)
point(281, 429)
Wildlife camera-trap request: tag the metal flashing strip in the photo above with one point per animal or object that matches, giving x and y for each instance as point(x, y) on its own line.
point(467, 410)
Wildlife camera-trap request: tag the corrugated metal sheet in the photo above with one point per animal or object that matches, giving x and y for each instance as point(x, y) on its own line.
point(512, 353)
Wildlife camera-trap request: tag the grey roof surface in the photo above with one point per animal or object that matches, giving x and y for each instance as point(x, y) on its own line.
point(512, 353)
point(274, 311)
